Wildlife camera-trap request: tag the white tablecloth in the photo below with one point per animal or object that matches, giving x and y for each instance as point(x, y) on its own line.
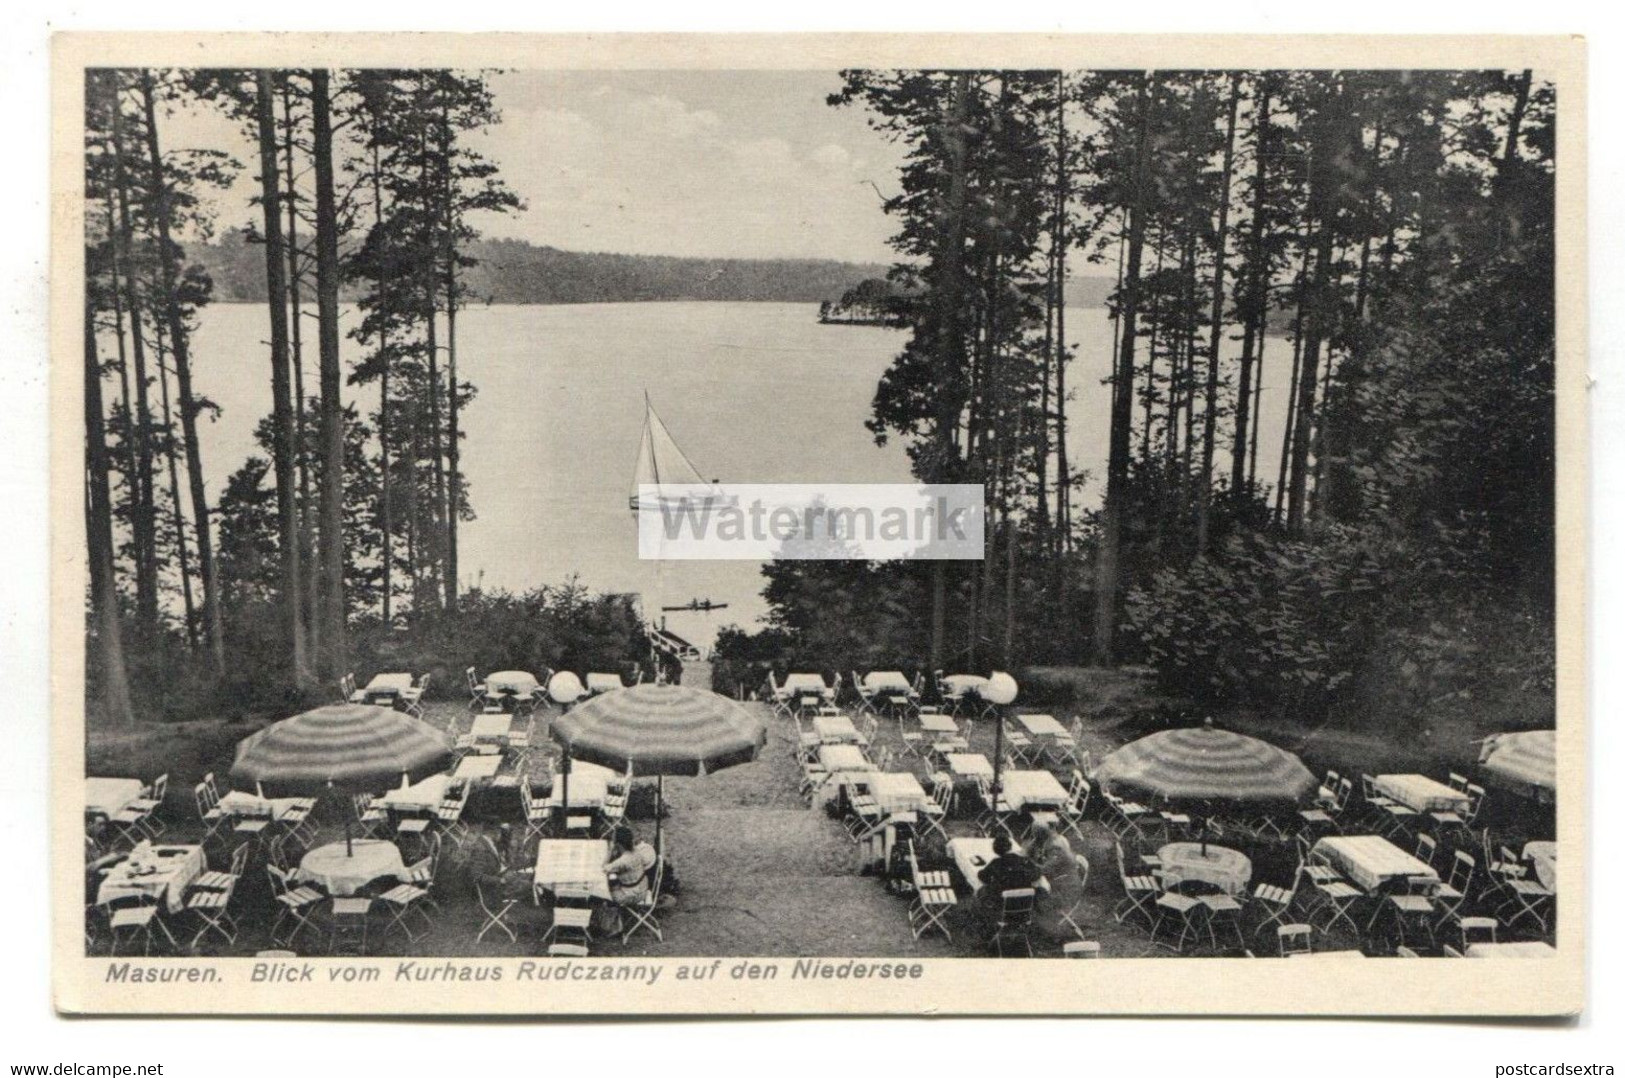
point(802, 684)
point(156, 872)
point(571, 862)
point(897, 791)
point(493, 727)
point(477, 767)
point(972, 855)
point(1371, 860)
point(238, 803)
point(589, 786)
point(109, 797)
point(1032, 789)
point(843, 758)
point(339, 872)
point(938, 724)
point(1041, 725)
point(422, 796)
point(1421, 793)
point(1543, 855)
point(517, 682)
point(835, 730)
point(964, 683)
point(1518, 949)
point(390, 685)
point(1224, 868)
point(970, 765)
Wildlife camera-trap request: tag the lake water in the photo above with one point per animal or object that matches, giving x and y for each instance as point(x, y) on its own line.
point(752, 392)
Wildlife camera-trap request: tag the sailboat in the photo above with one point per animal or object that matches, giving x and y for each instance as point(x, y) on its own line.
point(662, 464)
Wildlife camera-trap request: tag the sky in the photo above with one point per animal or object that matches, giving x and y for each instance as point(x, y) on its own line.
point(738, 164)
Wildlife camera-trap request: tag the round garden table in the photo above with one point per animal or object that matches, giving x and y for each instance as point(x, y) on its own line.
point(517, 682)
point(1183, 862)
point(341, 872)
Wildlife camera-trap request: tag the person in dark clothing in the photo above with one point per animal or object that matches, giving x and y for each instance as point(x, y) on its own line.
point(1008, 871)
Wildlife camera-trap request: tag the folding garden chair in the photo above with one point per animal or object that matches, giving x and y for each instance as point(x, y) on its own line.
point(1183, 910)
point(866, 697)
point(1525, 898)
point(1123, 818)
point(367, 818)
point(1139, 893)
point(137, 922)
point(401, 901)
point(932, 900)
point(152, 803)
point(1294, 939)
point(294, 902)
point(1069, 915)
point(212, 816)
point(572, 912)
point(213, 907)
point(1334, 895)
point(1274, 903)
point(1015, 920)
point(936, 809)
point(1077, 803)
point(1451, 893)
point(476, 689)
point(1477, 930)
point(1475, 800)
point(778, 698)
point(219, 881)
point(644, 912)
point(412, 698)
point(495, 910)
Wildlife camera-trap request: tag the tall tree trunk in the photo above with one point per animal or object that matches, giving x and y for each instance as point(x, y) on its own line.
point(296, 359)
point(183, 383)
point(126, 396)
point(115, 686)
point(454, 477)
point(1250, 294)
point(284, 438)
point(385, 485)
point(332, 425)
point(143, 510)
point(177, 509)
point(1292, 382)
point(950, 350)
point(1316, 317)
point(1122, 412)
point(1210, 402)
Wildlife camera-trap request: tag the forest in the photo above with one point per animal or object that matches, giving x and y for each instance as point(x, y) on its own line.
point(1386, 234)
point(1386, 237)
point(340, 539)
point(515, 271)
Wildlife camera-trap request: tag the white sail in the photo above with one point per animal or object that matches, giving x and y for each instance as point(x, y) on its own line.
point(660, 461)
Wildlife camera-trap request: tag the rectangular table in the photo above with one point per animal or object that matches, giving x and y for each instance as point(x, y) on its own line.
point(491, 727)
point(835, 730)
point(174, 869)
point(1421, 793)
point(837, 758)
point(1370, 861)
point(1032, 789)
point(1518, 949)
point(973, 854)
point(422, 796)
point(970, 765)
point(571, 862)
point(238, 803)
point(897, 791)
point(1042, 725)
point(390, 686)
point(1543, 856)
point(109, 797)
point(477, 767)
point(938, 724)
point(589, 786)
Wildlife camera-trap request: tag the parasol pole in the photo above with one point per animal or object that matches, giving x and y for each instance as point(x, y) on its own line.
point(998, 750)
point(660, 805)
point(564, 793)
point(349, 848)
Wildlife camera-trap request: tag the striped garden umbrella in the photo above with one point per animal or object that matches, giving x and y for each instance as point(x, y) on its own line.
point(1525, 761)
point(660, 730)
point(1204, 764)
point(351, 747)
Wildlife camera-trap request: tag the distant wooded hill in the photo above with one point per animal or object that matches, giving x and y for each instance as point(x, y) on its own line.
point(514, 271)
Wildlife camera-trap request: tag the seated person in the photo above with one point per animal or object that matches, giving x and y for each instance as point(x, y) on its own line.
point(629, 867)
point(1008, 871)
point(492, 864)
point(1053, 856)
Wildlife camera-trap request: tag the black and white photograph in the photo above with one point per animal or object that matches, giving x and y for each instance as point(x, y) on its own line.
point(1247, 376)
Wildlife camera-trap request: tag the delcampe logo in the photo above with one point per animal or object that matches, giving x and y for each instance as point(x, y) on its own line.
point(810, 522)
